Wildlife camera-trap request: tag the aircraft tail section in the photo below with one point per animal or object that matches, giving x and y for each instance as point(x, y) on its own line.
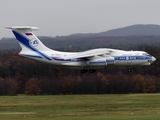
point(26, 37)
point(29, 43)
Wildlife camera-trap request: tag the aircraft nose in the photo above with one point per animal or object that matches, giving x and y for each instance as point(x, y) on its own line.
point(153, 59)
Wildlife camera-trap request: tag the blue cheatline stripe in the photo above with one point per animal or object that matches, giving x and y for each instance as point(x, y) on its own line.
point(31, 56)
point(97, 62)
point(139, 57)
point(133, 57)
point(25, 42)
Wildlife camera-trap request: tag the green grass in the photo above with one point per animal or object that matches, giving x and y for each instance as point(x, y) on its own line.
point(81, 107)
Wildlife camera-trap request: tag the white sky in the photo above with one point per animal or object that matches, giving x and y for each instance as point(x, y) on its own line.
point(65, 17)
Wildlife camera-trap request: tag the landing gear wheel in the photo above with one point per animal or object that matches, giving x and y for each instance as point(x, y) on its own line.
point(84, 71)
point(129, 70)
point(92, 71)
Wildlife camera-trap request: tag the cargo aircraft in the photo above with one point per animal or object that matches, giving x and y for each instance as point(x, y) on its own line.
point(87, 61)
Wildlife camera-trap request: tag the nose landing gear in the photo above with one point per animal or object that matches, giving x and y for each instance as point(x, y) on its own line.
point(129, 70)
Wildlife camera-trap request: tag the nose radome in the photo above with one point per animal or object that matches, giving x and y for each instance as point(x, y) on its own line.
point(153, 59)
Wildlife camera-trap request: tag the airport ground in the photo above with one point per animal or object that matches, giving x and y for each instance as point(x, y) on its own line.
point(81, 107)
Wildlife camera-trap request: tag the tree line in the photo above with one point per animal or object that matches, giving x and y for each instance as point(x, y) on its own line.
point(19, 75)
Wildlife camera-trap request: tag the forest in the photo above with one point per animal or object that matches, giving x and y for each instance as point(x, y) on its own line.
point(19, 75)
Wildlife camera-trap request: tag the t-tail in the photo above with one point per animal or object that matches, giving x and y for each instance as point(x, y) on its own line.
point(31, 46)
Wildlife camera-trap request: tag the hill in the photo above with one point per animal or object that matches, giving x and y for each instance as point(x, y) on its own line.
point(127, 36)
point(133, 30)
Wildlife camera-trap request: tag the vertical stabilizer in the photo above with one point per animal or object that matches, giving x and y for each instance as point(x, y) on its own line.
point(26, 37)
point(29, 43)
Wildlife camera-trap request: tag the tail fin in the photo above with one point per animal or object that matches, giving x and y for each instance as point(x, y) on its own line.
point(29, 43)
point(25, 37)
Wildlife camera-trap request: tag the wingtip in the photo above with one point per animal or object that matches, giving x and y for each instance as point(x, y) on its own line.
point(8, 27)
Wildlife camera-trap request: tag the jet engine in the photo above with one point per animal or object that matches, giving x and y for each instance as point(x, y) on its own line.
point(100, 61)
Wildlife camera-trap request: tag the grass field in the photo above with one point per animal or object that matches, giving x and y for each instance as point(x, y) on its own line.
point(81, 107)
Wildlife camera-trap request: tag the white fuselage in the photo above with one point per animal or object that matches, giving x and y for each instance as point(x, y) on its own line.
point(116, 57)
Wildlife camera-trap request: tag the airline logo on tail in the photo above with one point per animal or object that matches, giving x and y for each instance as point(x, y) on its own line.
point(34, 43)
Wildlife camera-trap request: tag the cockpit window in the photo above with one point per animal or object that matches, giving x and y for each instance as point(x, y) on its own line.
point(146, 54)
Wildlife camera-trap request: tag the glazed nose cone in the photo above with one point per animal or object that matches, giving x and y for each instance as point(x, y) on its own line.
point(153, 59)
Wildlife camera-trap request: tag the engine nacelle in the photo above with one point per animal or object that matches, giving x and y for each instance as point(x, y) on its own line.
point(110, 60)
point(100, 61)
point(95, 62)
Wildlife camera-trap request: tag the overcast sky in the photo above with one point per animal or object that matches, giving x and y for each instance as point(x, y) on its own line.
point(65, 17)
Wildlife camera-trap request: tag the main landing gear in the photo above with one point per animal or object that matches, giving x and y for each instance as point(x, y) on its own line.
point(84, 71)
point(90, 71)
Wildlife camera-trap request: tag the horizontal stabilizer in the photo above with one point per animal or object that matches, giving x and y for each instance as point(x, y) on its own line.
point(23, 27)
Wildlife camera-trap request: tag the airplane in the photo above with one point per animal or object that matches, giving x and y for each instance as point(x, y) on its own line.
point(87, 61)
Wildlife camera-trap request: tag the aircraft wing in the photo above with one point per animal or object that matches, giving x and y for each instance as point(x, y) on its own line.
point(88, 54)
